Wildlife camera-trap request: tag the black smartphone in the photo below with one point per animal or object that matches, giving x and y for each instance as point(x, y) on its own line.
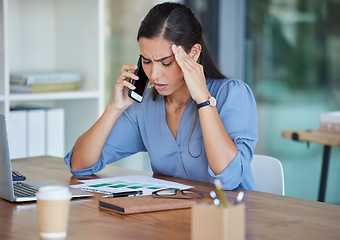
point(140, 84)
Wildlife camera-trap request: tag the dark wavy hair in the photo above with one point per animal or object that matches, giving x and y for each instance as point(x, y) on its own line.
point(179, 25)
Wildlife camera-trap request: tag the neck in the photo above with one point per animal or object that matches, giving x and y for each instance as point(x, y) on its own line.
point(177, 104)
point(181, 96)
point(178, 99)
point(174, 101)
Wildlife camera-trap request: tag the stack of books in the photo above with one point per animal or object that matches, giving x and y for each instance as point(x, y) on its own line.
point(330, 122)
point(45, 82)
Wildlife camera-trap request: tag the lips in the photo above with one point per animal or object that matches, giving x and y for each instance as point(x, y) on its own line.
point(160, 87)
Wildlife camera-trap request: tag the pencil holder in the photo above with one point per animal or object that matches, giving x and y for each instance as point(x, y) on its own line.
point(214, 222)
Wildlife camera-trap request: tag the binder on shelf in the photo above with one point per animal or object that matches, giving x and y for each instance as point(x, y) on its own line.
point(45, 87)
point(39, 78)
point(36, 132)
point(55, 132)
point(45, 82)
point(17, 133)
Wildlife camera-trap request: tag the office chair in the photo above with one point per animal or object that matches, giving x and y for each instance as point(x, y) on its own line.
point(268, 174)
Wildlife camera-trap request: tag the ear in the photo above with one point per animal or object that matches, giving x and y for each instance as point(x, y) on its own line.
point(195, 51)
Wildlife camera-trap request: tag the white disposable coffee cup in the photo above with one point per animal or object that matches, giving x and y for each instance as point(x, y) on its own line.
point(53, 210)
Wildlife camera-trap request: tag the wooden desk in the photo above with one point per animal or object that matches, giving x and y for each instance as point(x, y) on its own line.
point(316, 136)
point(268, 216)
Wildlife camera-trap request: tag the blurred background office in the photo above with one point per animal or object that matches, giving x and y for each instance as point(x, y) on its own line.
point(288, 51)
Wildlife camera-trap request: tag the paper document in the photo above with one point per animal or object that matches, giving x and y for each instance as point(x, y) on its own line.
point(127, 183)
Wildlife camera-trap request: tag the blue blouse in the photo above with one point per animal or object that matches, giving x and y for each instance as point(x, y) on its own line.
point(143, 127)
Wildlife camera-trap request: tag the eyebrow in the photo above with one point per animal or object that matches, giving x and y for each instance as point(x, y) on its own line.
point(157, 60)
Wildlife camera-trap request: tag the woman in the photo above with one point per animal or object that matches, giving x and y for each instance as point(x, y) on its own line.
point(193, 121)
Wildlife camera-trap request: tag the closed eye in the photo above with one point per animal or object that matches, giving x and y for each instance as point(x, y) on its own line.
point(167, 64)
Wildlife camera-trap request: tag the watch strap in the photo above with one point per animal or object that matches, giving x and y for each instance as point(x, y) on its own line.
point(203, 104)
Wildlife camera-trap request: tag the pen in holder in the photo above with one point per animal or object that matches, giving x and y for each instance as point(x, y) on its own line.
point(215, 222)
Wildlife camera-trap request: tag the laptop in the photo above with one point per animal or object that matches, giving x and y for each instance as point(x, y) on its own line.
point(21, 191)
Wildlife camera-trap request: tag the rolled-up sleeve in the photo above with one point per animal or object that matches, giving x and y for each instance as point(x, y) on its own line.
point(87, 171)
point(237, 109)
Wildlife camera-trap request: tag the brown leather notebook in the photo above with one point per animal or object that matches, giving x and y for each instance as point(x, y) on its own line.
point(139, 204)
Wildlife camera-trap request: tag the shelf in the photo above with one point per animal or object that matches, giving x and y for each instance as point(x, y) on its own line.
point(55, 96)
point(49, 36)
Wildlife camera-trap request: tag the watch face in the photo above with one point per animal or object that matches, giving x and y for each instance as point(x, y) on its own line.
point(212, 101)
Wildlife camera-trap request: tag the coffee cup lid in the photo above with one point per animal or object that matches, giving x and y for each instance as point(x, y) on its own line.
point(53, 192)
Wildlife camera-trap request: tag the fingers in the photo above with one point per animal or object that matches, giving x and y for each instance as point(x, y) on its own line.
point(183, 59)
point(125, 76)
point(129, 68)
point(129, 85)
point(127, 73)
point(193, 71)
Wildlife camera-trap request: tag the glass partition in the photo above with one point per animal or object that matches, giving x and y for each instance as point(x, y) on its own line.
point(292, 53)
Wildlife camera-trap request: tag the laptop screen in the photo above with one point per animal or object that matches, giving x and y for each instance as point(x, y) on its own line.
point(6, 183)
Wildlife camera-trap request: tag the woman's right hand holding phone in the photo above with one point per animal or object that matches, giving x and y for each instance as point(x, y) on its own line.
point(120, 99)
point(88, 147)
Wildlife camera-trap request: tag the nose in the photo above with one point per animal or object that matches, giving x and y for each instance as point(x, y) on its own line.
point(156, 71)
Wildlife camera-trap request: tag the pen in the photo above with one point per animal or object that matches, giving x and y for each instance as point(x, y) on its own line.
point(124, 194)
point(239, 198)
point(220, 192)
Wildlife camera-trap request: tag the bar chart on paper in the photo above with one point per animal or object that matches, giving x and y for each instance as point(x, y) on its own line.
point(127, 183)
